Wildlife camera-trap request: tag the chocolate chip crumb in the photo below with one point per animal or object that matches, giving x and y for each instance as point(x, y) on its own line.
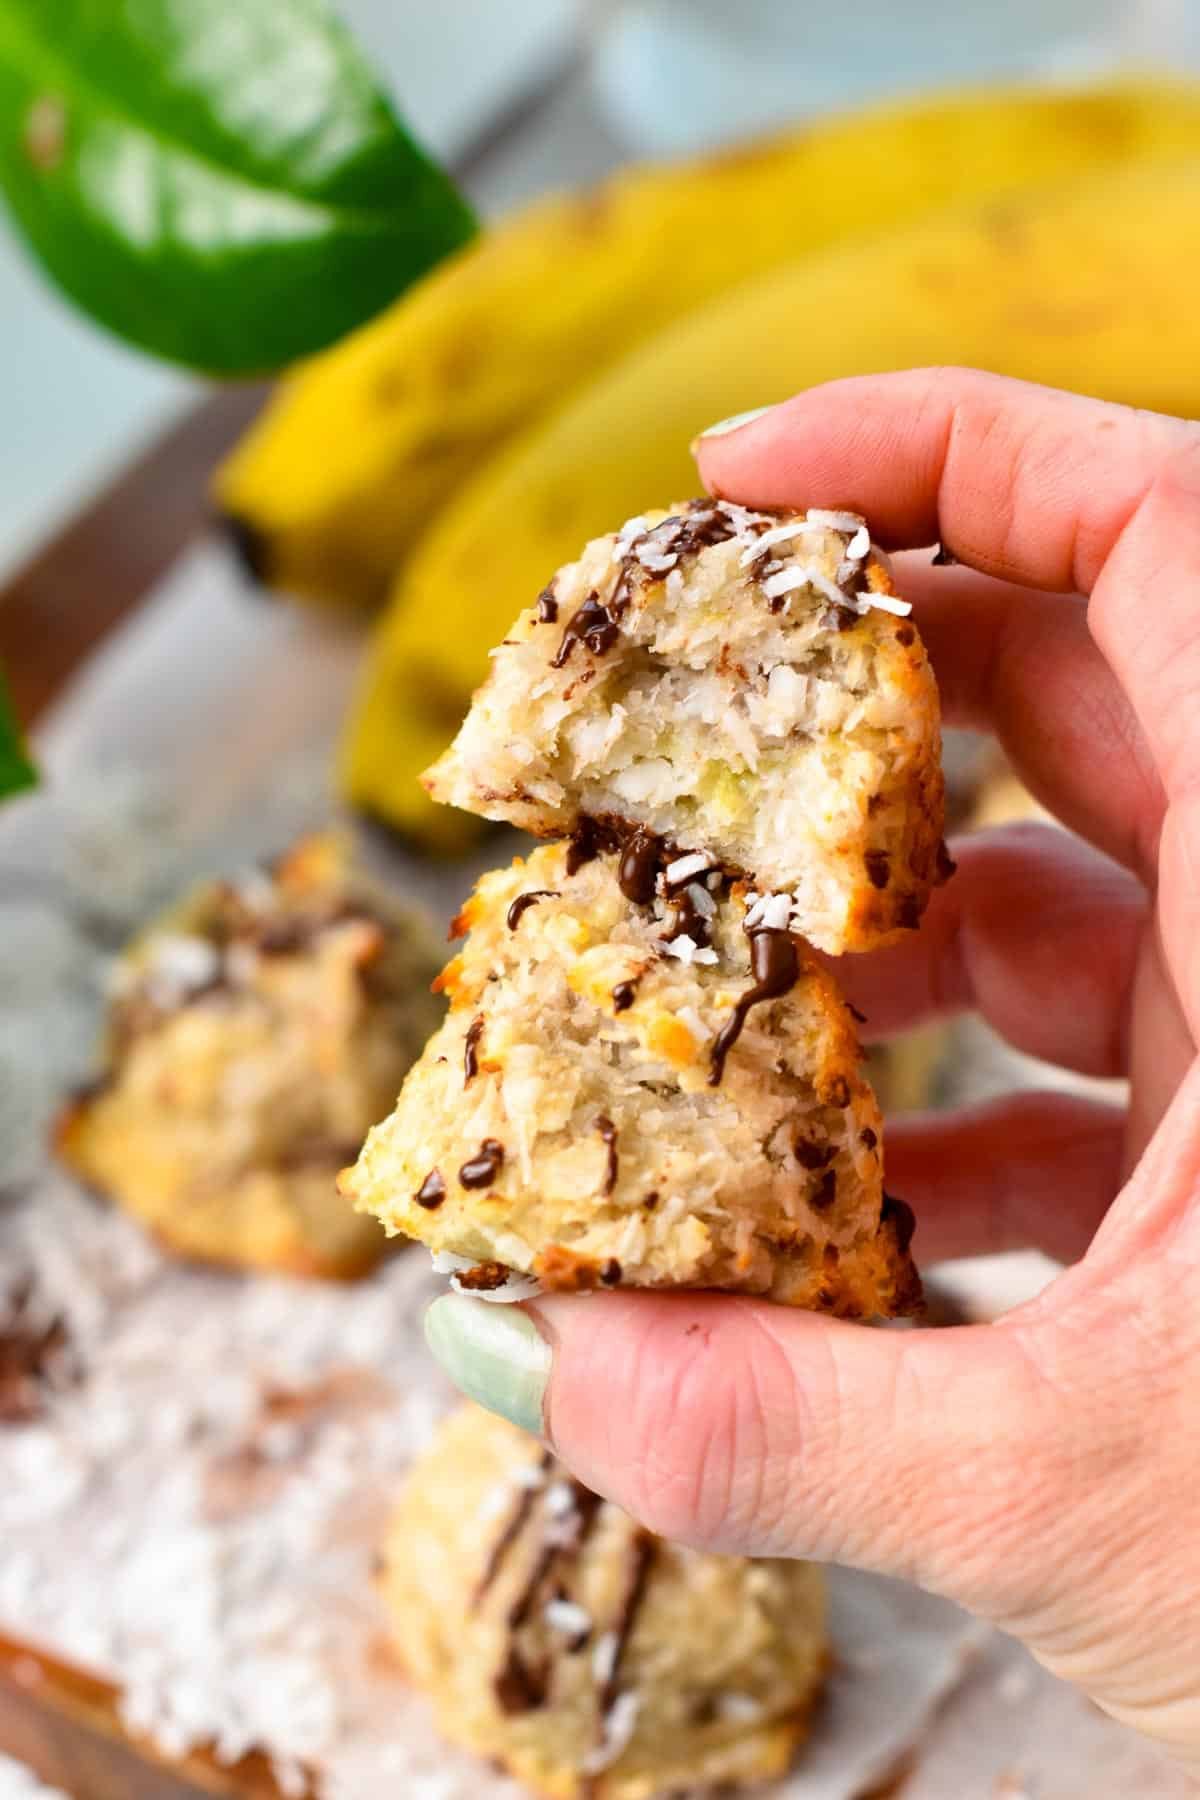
point(471, 1050)
point(868, 1138)
point(905, 635)
point(623, 995)
point(547, 606)
point(610, 1274)
point(484, 1278)
point(651, 1200)
point(481, 1170)
point(431, 1192)
point(879, 867)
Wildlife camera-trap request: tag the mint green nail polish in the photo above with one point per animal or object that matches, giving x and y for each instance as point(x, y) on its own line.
point(495, 1354)
point(735, 421)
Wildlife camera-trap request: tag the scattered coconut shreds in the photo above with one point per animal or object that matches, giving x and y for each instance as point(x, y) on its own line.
point(531, 1476)
point(604, 1658)
point(247, 1617)
point(778, 534)
point(560, 1499)
point(754, 910)
point(786, 581)
point(684, 867)
point(683, 947)
point(702, 900)
point(859, 544)
point(743, 1708)
point(567, 1616)
point(620, 1723)
point(769, 912)
point(889, 603)
point(706, 955)
point(835, 520)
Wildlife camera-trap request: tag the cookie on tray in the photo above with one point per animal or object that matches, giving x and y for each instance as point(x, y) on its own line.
point(591, 1659)
point(253, 1036)
point(745, 684)
point(645, 1079)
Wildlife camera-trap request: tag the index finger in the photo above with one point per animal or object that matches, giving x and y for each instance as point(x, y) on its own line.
point(1043, 488)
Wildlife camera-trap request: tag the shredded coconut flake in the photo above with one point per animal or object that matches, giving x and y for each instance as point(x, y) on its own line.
point(835, 520)
point(859, 544)
point(567, 1616)
point(684, 867)
point(683, 947)
point(889, 603)
point(604, 1658)
point(620, 1722)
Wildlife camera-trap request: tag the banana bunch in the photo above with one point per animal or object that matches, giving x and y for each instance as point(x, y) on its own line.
point(1089, 286)
point(361, 447)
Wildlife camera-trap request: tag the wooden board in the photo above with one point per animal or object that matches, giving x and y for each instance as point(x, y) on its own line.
point(65, 1725)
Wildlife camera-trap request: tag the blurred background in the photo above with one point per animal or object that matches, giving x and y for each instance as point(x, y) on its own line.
point(582, 85)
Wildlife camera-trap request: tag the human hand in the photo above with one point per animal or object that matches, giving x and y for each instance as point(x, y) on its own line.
point(1043, 1471)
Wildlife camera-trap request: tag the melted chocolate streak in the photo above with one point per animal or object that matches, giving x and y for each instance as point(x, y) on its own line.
point(593, 626)
point(523, 902)
point(643, 1552)
point(471, 1050)
point(510, 1531)
point(518, 1686)
point(608, 1134)
point(776, 969)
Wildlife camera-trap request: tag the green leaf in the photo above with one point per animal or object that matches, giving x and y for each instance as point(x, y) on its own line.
point(16, 770)
point(220, 181)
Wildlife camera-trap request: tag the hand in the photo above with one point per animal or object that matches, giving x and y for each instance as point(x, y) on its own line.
point(1043, 1471)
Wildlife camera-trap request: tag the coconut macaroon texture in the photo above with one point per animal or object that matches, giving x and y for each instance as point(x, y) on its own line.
point(591, 1659)
point(253, 1036)
point(744, 684)
point(645, 1079)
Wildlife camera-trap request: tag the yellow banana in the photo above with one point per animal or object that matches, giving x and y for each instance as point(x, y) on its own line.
point(1092, 287)
point(330, 489)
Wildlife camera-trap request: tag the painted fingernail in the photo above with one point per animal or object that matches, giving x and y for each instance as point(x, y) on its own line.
point(734, 422)
point(495, 1354)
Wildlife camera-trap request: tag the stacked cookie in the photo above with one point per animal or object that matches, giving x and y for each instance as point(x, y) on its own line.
point(647, 1077)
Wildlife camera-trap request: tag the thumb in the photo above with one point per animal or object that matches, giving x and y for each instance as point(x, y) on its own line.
point(939, 1456)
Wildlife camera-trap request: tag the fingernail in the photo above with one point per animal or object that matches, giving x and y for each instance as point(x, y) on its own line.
point(495, 1354)
point(734, 422)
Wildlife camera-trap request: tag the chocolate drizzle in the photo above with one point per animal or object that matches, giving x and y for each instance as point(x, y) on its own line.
point(643, 1552)
point(511, 1530)
point(593, 626)
point(608, 1135)
point(547, 606)
point(687, 920)
point(776, 968)
point(641, 860)
point(431, 1192)
point(520, 1687)
point(471, 1050)
point(482, 1169)
point(586, 842)
point(523, 902)
point(623, 996)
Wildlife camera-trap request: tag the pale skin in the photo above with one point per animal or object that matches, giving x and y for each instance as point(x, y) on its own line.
point(1044, 1471)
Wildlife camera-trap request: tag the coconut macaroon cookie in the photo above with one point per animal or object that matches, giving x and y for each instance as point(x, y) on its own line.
point(591, 1659)
point(746, 684)
point(644, 1079)
point(254, 1034)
